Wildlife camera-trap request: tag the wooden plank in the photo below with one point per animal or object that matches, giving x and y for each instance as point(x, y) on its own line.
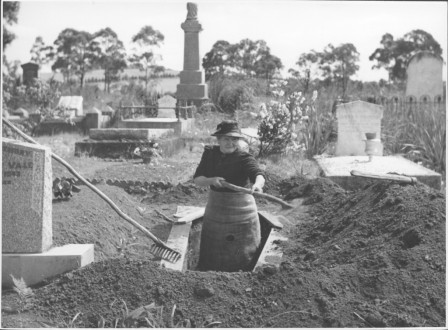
point(272, 219)
point(271, 253)
point(178, 240)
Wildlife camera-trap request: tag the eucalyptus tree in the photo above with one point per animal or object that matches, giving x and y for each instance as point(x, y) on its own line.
point(246, 58)
point(394, 54)
point(41, 53)
point(74, 54)
point(334, 64)
point(143, 54)
point(10, 13)
point(110, 54)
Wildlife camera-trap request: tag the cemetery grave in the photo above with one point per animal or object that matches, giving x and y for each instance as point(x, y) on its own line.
point(350, 253)
point(372, 257)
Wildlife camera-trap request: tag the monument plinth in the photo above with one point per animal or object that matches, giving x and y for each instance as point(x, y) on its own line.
point(192, 87)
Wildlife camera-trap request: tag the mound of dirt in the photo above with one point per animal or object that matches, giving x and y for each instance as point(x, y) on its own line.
point(374, 258)
point(382, 250)
point(87, 219)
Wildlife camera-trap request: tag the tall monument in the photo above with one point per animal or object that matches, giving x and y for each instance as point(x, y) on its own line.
point(192, 87)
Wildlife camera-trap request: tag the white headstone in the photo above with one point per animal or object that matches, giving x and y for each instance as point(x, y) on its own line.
point(26, 197)
point(167, 101)
point(424, 76)
point(355, 119)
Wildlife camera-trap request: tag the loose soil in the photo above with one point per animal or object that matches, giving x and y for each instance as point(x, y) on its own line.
point(371, 258)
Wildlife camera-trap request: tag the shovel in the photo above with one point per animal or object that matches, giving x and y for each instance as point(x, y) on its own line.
point(258, 194)
point(159, 249)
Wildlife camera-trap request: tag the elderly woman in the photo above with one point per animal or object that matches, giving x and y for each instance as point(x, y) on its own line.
point(231, 230)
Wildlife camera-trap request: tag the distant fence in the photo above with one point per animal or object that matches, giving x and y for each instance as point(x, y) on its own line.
point(144, 111)
point(152, 111)
point(408, 103)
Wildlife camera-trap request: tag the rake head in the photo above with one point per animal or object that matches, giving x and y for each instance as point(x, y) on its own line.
point(165, 253)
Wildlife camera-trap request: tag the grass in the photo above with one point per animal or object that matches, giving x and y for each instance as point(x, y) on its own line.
point(418, 132)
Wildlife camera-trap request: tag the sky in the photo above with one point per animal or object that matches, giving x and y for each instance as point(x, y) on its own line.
point(290, 28)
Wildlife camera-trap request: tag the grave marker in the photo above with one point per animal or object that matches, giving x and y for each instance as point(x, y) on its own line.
point(424, 76)
point(26, 197)
point(192, 86)
point(354, 120)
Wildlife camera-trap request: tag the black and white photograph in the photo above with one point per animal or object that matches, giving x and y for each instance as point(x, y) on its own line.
point(223, 164)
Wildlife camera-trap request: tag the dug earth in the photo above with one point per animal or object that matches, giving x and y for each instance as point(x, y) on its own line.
point(371, 258)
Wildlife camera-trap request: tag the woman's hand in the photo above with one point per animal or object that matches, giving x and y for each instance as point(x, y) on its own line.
point(256, 188)
point(258, 185)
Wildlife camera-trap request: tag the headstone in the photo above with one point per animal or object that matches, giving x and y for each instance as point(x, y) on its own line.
point(167, 101)
point(72, 104)
point(26, 197)
point(22, 113)
point(424, 76)
point(93, 118)
point(355, 119)
point(192, 86)
point(30, 71)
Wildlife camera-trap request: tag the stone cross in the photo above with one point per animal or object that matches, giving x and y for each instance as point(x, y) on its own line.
point(26, 197)
point(355, 119)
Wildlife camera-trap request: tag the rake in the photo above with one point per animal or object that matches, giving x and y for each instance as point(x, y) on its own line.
point(159, 248)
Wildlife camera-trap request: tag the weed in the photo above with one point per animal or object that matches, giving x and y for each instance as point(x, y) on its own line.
point(145, 316)
point(419, 132)
point(26, 295)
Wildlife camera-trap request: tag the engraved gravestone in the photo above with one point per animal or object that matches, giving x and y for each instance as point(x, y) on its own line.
point(26, 197)
point(355, 119)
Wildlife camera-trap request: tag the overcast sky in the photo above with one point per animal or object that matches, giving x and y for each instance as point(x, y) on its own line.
point(290, 28)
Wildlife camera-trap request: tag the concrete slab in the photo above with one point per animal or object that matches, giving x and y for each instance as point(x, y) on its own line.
point(338, 169)
point(35, 267)
point(157, 124)
point(178, 240)
point(125, 133)
point(271, 255)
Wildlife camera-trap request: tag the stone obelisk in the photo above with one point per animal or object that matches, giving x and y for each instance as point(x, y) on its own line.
point(192, 87)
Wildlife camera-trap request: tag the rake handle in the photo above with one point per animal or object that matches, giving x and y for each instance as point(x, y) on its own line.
point(92, 187)
point(258, 194)
point(392, 177)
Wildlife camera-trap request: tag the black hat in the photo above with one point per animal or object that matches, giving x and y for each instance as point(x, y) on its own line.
point(228, 128)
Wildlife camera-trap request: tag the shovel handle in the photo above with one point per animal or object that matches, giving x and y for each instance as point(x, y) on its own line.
point(392, 177)
point(258, 194)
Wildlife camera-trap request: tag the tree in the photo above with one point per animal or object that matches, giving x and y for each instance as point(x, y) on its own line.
point(249, 58)
point(393, 55)
point(40, 52)
point(333, 64)
point(74, 53)
point(10, 12)
point(339, 63)
point(110, 54)
point(216, 61)
point(144, 57)
point(307, 68)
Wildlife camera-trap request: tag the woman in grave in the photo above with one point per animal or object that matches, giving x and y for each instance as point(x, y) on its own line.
point(231, 230)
